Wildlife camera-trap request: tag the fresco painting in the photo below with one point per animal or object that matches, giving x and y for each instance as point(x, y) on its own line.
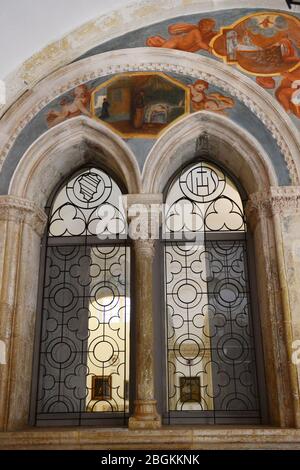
point(265, 45)
point(187, 37)
point(288, 92)
point(70, 106)
point(201, 98)
point(262, 44)
point(140, 104)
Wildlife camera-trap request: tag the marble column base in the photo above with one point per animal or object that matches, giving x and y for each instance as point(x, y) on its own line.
point(145, 415)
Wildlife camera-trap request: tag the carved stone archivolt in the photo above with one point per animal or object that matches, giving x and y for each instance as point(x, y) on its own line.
point(231, 81)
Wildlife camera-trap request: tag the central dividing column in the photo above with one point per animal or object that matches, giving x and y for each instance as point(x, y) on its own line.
point(145, 215)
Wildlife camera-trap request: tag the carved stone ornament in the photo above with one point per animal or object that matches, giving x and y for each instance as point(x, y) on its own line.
point(20, 210)
point(283, 200)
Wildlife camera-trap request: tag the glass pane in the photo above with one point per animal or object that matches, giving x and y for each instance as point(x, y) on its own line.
point(84, 352)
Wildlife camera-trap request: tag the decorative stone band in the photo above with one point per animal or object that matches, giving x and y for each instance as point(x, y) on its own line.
point(23, 211)
point(282, 200)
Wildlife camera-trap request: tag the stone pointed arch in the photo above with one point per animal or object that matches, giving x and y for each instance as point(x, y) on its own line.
point(259, 101)
point(231, 145)
point(64, 148)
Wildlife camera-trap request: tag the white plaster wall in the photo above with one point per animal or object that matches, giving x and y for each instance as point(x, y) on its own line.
point(29, 25)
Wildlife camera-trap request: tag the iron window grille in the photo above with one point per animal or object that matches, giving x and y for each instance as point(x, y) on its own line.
point(83, 333)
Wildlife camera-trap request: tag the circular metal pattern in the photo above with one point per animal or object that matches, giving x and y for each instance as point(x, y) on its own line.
point(61, 352)
point(203, 199)
point(189, 349)
point(85, 329)
point(106, 295)
point(232, 348)
point(229, 293)
point(86, 205)
point(211, 355)
point(101, 351)
point(202, 183)
point(187, 293)
point(89, 189)
point(63, 297)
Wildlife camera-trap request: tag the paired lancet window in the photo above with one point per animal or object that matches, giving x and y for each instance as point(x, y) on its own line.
point(82, 372)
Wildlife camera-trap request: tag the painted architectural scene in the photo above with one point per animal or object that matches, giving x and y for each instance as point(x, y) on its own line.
point(140, 104)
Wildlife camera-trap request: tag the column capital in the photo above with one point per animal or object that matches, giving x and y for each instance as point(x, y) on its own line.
point(144, 248)
point(144, 215)
point(147, 199)
point(282, 200)
point(20, 210)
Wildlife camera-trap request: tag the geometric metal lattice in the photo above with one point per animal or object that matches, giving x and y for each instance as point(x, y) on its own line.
point(204, 199)
point(89, 204)
point(83, 370)
point(212, 376)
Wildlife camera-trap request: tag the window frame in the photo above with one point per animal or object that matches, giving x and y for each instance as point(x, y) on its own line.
point(161, 328)
point(109, 419)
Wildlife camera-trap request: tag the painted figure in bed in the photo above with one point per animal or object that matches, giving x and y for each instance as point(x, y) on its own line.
point(262, 44)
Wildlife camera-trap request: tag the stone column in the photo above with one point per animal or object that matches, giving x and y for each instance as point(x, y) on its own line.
point(274, 215)
point(145, 406)
point(22, 224)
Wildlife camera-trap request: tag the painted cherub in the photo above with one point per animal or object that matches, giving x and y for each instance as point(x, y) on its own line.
point(79, 105)
point(286, 93)
point(211, 102)
point(187, 37)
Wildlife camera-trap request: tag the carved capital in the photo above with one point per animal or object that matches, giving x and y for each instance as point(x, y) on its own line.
point(144, 248)
point(144, 215)
point(20, 211)
point(282, 200)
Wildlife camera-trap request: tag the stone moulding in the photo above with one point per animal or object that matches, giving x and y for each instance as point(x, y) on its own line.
point(165, 156)
point(260, 103)
point(156, 439)
point(283, 201)
point(23, 211)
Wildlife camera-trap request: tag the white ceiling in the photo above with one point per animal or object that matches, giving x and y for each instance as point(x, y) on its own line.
point(26, 26)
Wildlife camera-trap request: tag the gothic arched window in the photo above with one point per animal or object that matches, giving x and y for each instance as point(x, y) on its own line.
point(213, 375)
point(83, 339)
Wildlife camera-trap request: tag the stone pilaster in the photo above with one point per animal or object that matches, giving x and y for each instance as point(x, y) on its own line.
point(22, 224)
point(271, 215)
